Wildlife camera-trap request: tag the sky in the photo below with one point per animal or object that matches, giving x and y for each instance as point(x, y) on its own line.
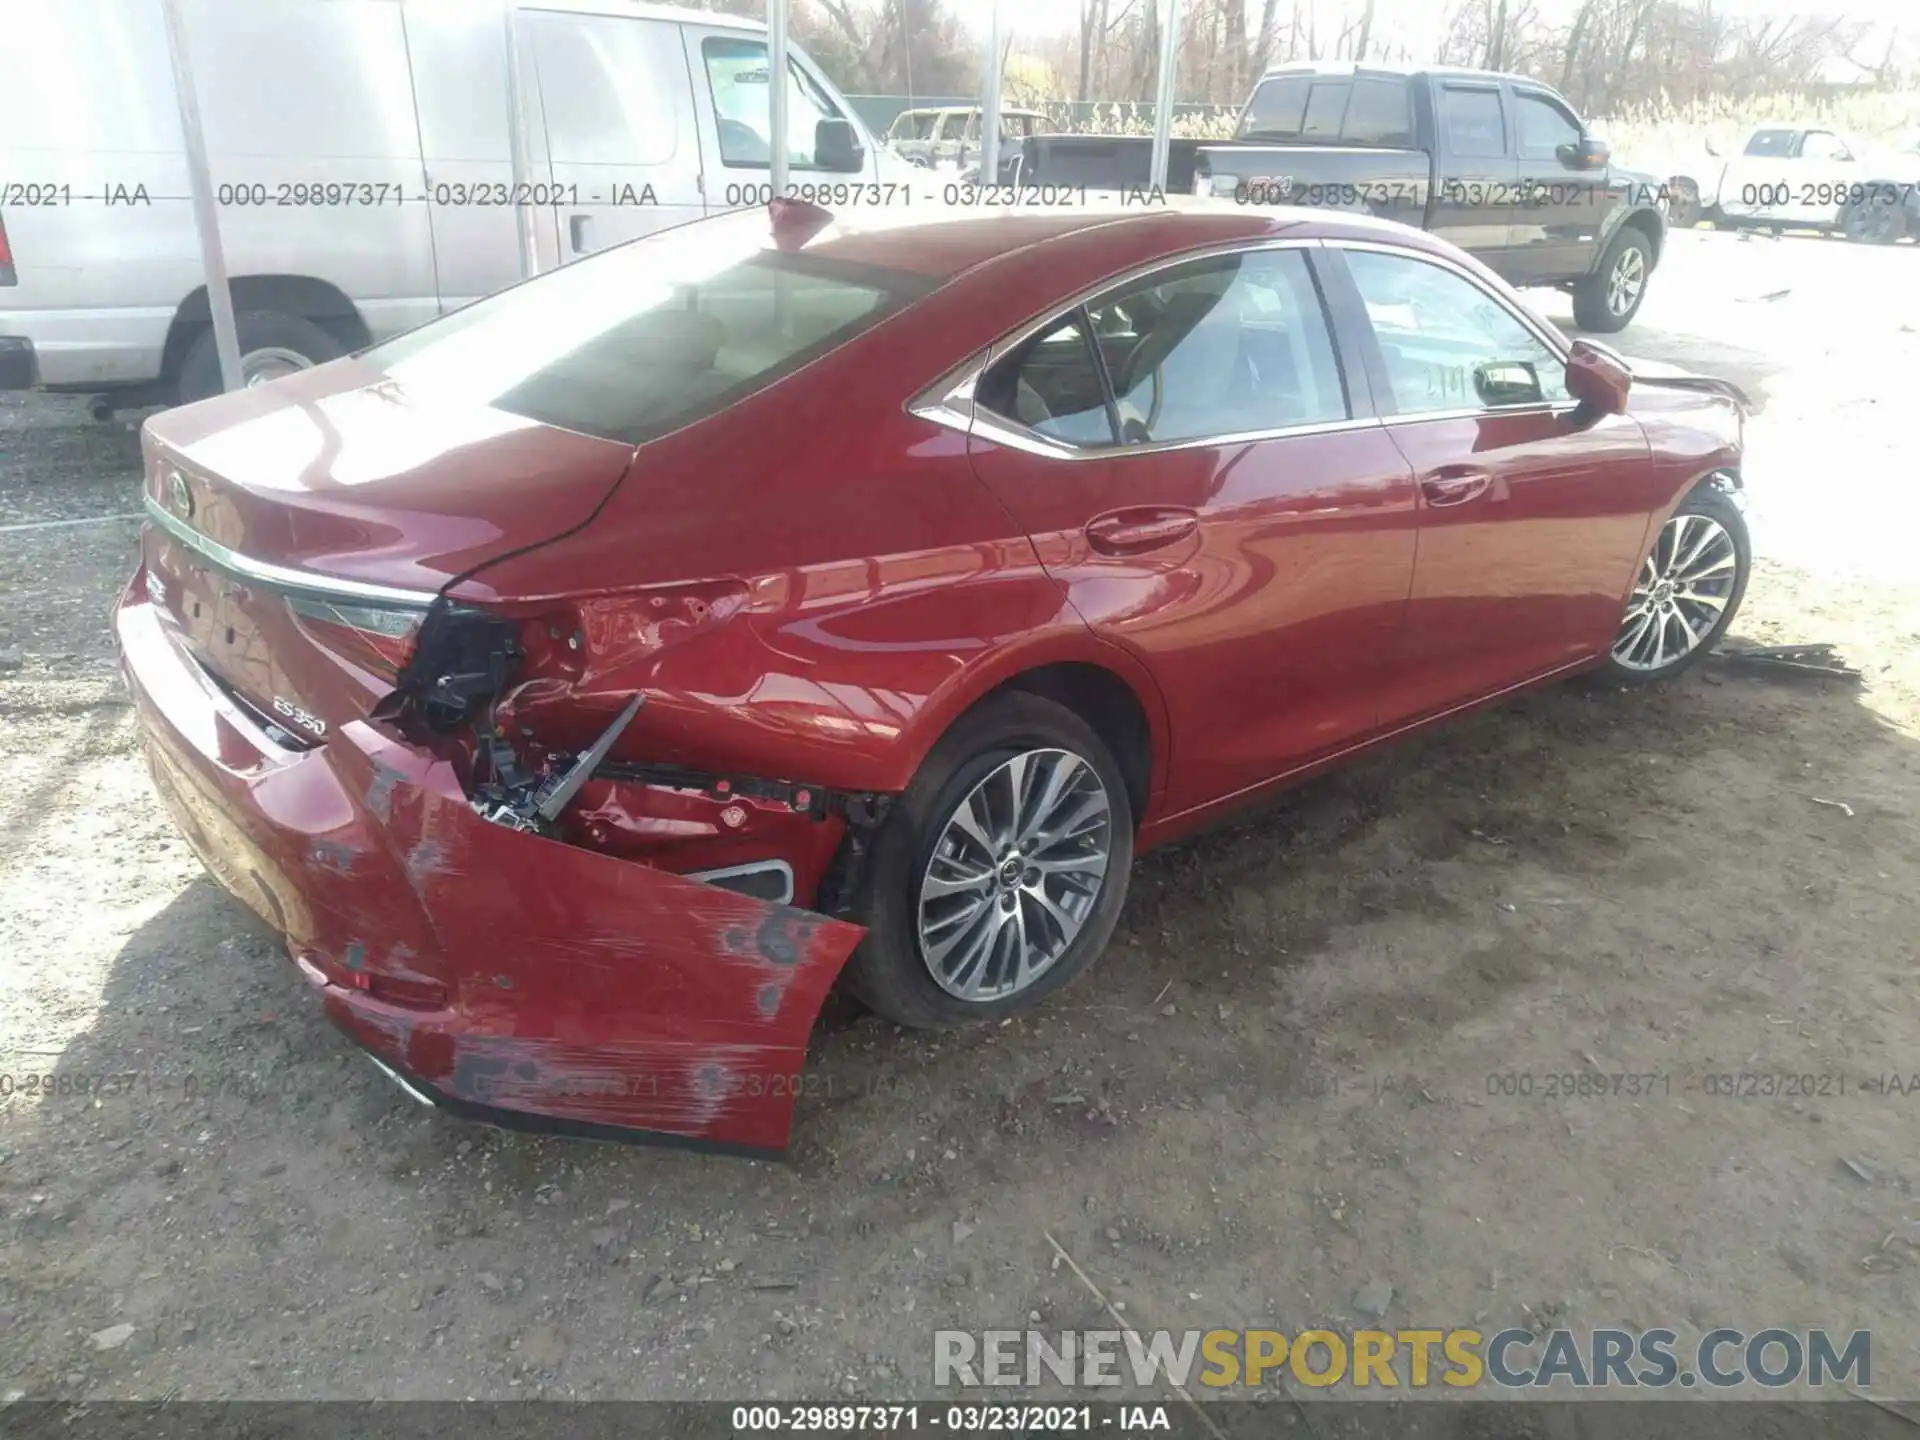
point(1412, 19)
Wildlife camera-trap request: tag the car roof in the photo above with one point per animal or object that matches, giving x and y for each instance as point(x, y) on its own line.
point(944, 243)
point(640, 10)
point(1347, 69)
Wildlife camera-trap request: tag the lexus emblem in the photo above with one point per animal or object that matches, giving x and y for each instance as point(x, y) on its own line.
point(176, 496)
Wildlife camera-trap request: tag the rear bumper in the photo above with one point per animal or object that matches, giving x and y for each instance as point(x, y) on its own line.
point(503, 976)
point(16, 363)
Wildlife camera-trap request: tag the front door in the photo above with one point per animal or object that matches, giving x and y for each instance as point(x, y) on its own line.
point(1558, 209)
point(1474, 171)
point(1184, 455)
point(1533, 510)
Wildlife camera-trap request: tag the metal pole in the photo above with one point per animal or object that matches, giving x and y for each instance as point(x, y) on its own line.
point(206, 218)
point(777, 96)
point(525, 218)
point(990, 106)
point(1163, 103)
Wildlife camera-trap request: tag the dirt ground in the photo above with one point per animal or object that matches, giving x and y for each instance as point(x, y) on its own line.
point(1270, 1101)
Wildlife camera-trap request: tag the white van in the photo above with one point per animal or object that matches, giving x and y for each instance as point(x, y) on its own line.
point(361, 166)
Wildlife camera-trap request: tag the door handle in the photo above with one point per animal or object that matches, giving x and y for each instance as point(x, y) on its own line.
point(1455, 487)
point(577, 232)
point(1147, 527)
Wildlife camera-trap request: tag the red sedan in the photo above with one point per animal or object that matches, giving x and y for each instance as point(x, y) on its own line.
point(585, 681)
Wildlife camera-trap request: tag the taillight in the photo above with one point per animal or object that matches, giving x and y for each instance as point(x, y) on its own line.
point(6, 256)
point(371, 636)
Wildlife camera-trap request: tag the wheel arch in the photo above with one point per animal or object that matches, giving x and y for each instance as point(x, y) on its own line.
point(1652, 229)
point(325, 304)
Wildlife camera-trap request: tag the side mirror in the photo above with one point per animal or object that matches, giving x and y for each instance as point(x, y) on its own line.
point(837, 147)
point(1507, 382)
point(1598, 378)
point(1586, 153)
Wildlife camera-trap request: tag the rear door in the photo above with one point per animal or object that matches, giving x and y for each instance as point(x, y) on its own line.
point(622, 144)
point(1475, 171)
point(1533, 512)
point(1192, 467)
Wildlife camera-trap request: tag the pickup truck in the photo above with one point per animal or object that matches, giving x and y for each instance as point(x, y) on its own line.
point(1804, 176)
point(1498, 164)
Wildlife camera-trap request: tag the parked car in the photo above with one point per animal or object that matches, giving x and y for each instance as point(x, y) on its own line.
point(1498, 164)
point(360, 161)
point(949, 137)
point(581, 680)
point(1814, 177)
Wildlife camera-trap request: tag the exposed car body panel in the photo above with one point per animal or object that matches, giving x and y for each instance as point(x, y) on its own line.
point(539, 976)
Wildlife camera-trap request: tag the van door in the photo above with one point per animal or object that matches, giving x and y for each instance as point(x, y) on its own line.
point(730, 85)
point(623, 151)
point(459, 59)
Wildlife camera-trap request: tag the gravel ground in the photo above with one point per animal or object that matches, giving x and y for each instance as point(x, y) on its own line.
point(1269, 1105)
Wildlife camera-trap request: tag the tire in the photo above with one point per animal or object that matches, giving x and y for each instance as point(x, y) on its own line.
point(1871, 221)
point(888, 971)
point(1593, 303)
point(263, 334)
point(1629, 664)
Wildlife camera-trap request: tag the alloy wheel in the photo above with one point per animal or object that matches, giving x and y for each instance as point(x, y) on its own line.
point(1680, 595)
point(1015, 873)
point(1629, 277)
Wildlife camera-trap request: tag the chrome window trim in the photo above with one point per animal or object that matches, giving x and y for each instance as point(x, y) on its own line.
point(282, 577)
point(949, 400)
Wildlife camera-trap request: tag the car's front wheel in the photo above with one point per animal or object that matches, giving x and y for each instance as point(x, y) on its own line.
point(1687, 591)
point(1873, 219)
point(999, 875)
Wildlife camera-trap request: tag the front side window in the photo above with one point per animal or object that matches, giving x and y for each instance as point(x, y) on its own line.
point(1448, 344)
point(955, 124)
point(1544, 126)
point(737, 71)
point(1230, 345)
point(647, 337)
point(1473, 123)
point(1823, 145)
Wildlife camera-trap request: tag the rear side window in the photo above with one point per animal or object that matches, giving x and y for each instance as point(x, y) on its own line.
point(1276, 110)
point(1474, 125)
point(1380, 113)
point(645, 338)
point(1230, 345)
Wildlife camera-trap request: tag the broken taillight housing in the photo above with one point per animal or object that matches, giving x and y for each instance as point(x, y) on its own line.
point(373, 637)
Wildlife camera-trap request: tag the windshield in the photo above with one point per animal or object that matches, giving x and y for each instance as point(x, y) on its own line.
point(646, 337)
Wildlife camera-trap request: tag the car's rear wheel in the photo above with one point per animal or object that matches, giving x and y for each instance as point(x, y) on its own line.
point(1687, 592)
point(1000, 873)
point(1609, 298)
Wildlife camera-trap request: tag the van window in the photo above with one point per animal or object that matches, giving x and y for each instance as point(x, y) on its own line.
point(1380, 113)
point(737, 71)
point(647, 337)
point(1276, 109)
point(607, 87)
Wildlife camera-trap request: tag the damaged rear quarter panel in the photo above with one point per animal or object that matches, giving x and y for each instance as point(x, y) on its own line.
point(588, 988)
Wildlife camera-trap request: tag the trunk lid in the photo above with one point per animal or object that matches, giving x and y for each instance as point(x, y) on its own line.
point(300, 530)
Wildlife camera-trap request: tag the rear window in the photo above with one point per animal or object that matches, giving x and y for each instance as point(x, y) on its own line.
point(1276, 109)
point(1380, 113)
point(647, 337)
